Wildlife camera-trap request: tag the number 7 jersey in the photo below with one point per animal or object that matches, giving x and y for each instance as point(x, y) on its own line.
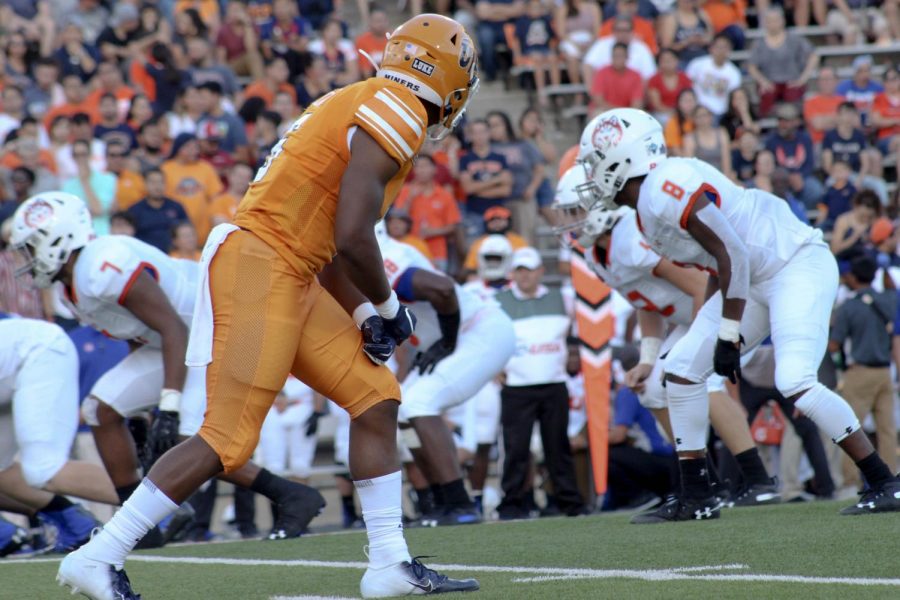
point(292, 203)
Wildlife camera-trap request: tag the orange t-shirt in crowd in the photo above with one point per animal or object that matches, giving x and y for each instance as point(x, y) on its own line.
point(643, 29)
point(433, 208)
point(567, 161)
point(123, 94)
point(674, 135)
point(224, 206)
point(67, 110)
point(208, 9)
point(11, 160)
point(261, 90)
point(471, 262)
point(816, 106)
point(130, 189)
point(723, 13)
point(372, 45)
point(890, 109)
point(194, 185)
point(292, 204)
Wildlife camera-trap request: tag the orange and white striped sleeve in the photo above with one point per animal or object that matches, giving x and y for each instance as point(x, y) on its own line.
point(396, 120)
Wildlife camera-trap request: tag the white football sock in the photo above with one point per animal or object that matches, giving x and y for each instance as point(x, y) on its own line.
point(689, 414)
point(146, 507)
point(381, 499)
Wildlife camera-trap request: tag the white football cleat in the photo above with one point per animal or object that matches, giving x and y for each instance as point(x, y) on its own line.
point(94, 579)
point(410, 579)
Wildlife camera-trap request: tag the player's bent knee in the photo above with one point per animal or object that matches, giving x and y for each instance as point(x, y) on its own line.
point(38, 473)
point(790, 384)
point(95, 412)
point(829, 411)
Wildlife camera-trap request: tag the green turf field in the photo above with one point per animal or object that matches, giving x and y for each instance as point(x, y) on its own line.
point(793, 551)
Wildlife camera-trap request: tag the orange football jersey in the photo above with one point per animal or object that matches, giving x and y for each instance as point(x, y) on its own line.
point(292, 202)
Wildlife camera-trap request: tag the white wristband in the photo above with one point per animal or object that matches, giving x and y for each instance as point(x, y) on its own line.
point(169, 400)
point(730, 330)
point(363, 312)
point(390, 307)
point(649, 350)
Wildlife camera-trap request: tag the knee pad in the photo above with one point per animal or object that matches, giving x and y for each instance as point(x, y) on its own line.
point(689, 414)
point(829, 411)
point(89, 411)
point(410, 438)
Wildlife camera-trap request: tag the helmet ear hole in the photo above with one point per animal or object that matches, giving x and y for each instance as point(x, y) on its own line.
point(612, 167)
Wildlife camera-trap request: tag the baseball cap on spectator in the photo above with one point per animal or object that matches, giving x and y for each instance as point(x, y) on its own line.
point(881, 230)
point(213, 87)
point(862, 61)
point(180, 141)
point(497, 212)
point(526, 258)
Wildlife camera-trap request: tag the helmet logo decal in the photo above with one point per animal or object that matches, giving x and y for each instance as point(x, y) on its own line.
point(607, 134)
point(466, 53)
point(423, 67)
point(38, 214)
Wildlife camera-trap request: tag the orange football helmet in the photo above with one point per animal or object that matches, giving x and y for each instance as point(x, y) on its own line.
point(435, 58)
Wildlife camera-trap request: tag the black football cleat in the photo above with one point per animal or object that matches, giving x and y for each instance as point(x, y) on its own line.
point(885, 498)
point(296, 507)
point(677, 509)
point(760, 494)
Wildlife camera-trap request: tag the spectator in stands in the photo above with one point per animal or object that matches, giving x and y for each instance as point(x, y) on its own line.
point(91, 17)
point(129, 184)
point(26, 153)
point(12, 109)
point(210, 139)
point(885, 116)
point(123, 29)
point(435, 216)
point(285, 105)
point(165, 76)
point(109, 81)
point(780, 63)
point(739, 117)
point(640, 58)
point(848, 143)
point(188, 23)
point(714, 76)
point(265, 134)
point(743, 157)
point(110, 128)
point(121, 223)
point(150, 151)
point(526, 163)
point(615, 85)
point(681, 123)
point(763, 168)
point(484, 176)
point(861, 89)
point(664, 87)
point(80, 128)
point(492, 16)
point(315, 82)
point(341, 58)
point(140, 110)
point(192, 182)
point(285, 34)
point(18, 54)
point(156, 215)
point(693, 31)
point(203, 68)
point(709, 142)
point(75, 55)
point(497, 221)
point(75, 100)
point(781, 187)
point(866, 321)
point(224, 206)
point(399, 226)
point(237, 44)
point(793, 151)
point(373, 41)
point(274, 79)
point(184, 241)
point(576, 23)
point(44, 90)
point(728, 17)
point(230, 127)
point(851, 229)
point(838, 196)
point(22, 181)
point(534, 45)
point(820, 109)
point(644, 28)
point(96, 188)
point(531, 128)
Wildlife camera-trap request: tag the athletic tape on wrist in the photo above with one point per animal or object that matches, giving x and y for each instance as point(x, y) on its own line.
point(169, 400)
point(730, 330)
point(649, 350)
point(363, 312)
point(390, 307)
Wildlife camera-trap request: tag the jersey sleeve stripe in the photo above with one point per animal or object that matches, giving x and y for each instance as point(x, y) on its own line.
point(143, 266)
point(376, 131)
point(388, 129)
point(401, 109)
point(703, 189)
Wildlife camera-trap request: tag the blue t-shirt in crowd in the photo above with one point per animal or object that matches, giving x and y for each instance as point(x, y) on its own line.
point(629, 412)
point(534, 34)
point(154, 225)
point(849, 149)
point(838, 202)
point(97, 354)
point(482, 168)
point(862, 97)
point(796, 155)
point(120, 134)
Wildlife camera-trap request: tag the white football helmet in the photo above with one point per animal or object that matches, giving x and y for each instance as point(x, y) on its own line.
point(619, 145)
point(578, 220)
point(494, 258)
point(46, 229)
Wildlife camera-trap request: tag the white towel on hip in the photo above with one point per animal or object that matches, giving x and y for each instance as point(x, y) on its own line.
point(199, 349)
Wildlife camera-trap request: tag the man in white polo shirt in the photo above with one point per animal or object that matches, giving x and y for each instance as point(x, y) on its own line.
point(535, 387)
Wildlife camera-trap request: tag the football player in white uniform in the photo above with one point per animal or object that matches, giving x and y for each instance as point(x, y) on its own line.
point(130, 290)
point(38, 423)
point(770, 274)
point(463, 343)
point(666, 298)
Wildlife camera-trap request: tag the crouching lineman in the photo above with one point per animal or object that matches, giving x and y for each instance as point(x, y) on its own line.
point(277, 292)
point(130, 290)
point(38, 421)
point(770, 274)
point(666, 297)
point(463, 342)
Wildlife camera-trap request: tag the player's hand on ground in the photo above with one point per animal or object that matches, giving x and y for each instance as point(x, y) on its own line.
point(401, 326)
point(637, 376)
point(428, 360)
point(377, 344)
point(163, 433)
point(727, 359)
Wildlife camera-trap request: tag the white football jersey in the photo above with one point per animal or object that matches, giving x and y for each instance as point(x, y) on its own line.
point(400, 257)
point(628, 268)
point(18, 339)
point(765, 223)
point(104, 273)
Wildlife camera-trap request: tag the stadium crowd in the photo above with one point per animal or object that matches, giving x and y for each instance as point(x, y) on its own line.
point(157, 114)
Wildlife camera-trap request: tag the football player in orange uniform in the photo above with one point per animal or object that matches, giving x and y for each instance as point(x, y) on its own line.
point(283, 287)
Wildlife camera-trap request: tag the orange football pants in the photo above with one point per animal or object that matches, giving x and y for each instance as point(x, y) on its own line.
point(269, 322)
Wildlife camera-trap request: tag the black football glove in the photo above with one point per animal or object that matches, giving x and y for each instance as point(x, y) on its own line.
point(312, 423)
point(428, 360)
point(378, 345)
point(401, 326)
point(163, 433)
point(727, 359)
